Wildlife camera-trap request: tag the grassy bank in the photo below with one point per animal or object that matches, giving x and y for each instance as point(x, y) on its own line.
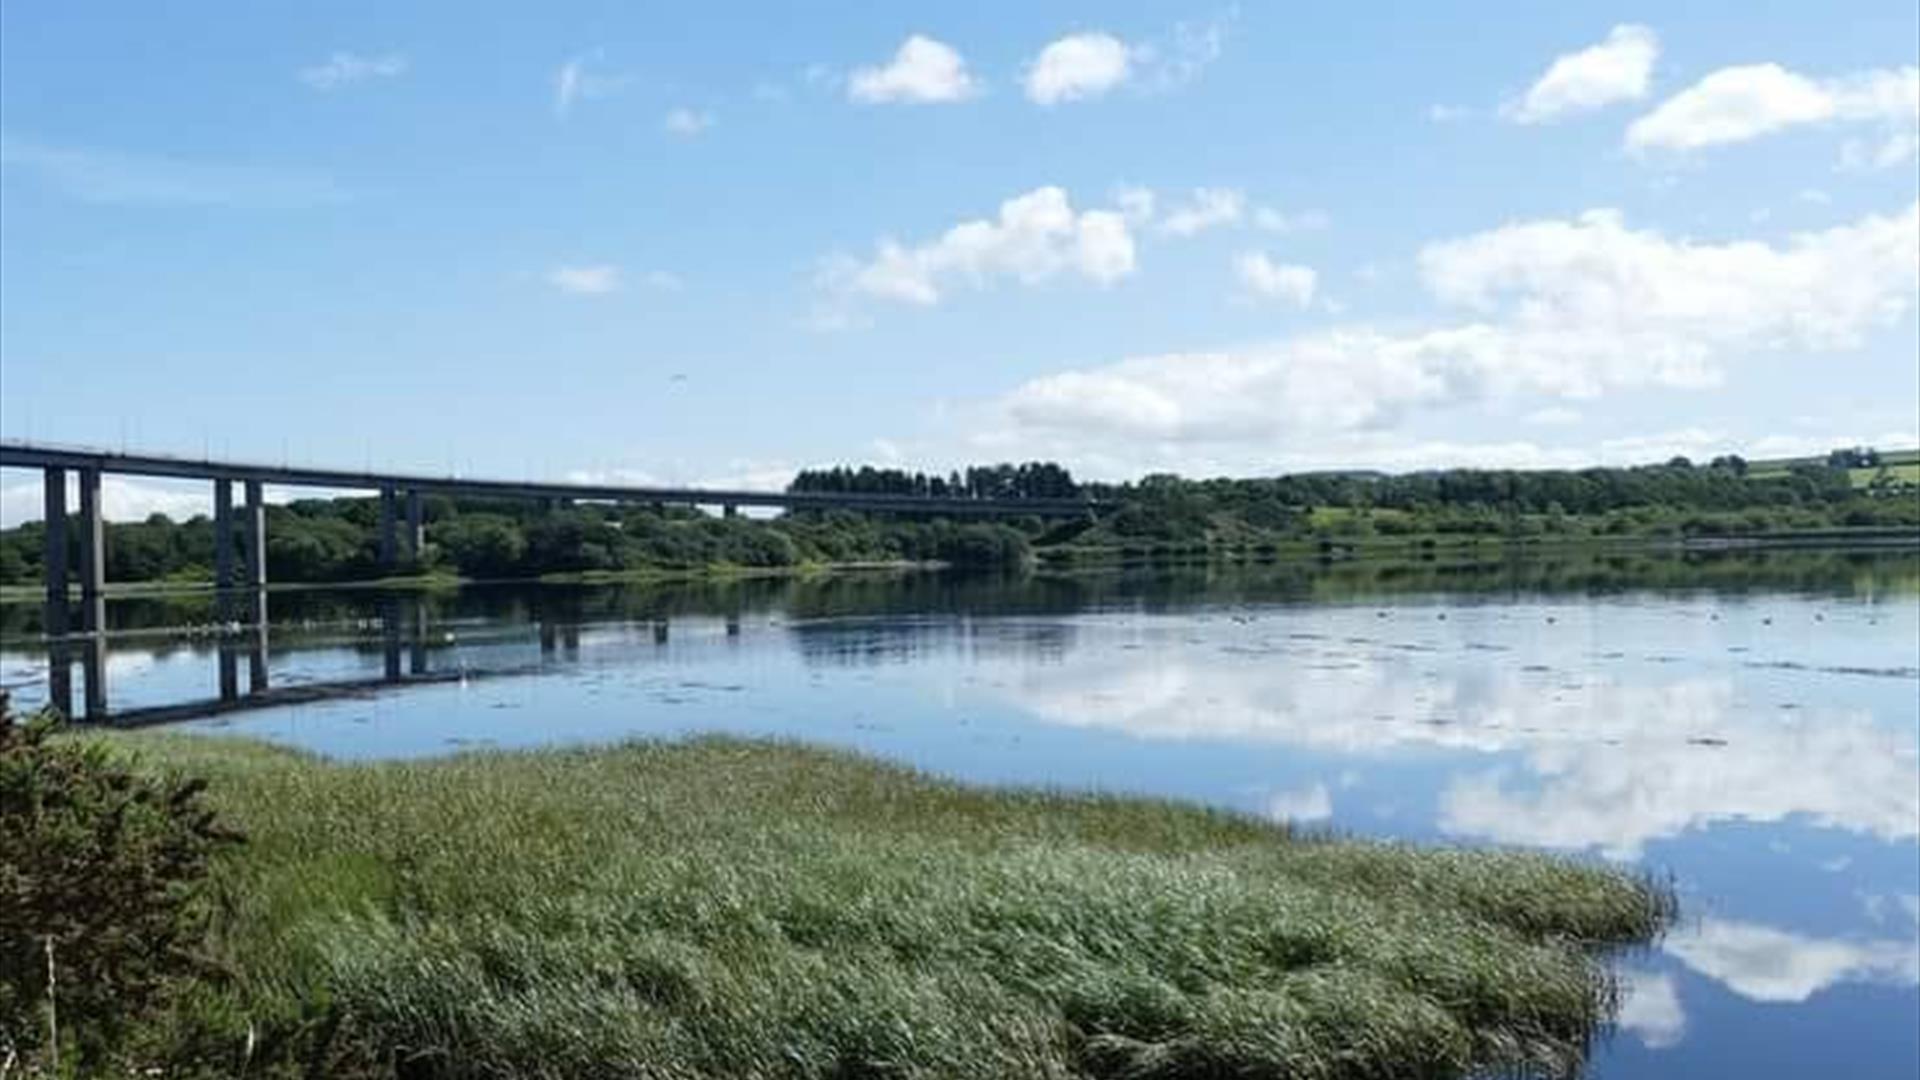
point(721, 908)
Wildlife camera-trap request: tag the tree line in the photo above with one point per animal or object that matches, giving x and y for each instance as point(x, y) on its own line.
point(336, 539)
point(1029, 480)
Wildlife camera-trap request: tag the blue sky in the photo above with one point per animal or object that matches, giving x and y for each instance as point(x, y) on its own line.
point(714, 245)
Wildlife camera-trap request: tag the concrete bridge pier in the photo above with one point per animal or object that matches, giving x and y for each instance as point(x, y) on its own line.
point(93, 554)
point(60, 676)
point(93, 663)
point(389, 531)
point(54, 559)
point(254, 545)
point(257, 653)
point(729, 510)
point(223, 535)
point(417, 640)
point(416, 527)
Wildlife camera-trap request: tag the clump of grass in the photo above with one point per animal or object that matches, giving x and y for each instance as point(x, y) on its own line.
point(720, 908)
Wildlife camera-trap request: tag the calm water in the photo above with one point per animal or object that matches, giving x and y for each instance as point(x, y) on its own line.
point(1749, 725)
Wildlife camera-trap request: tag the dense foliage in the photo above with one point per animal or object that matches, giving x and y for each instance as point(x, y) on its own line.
point(319, 540)
point(101, 908)
point(334, 540)
point(1032, 480)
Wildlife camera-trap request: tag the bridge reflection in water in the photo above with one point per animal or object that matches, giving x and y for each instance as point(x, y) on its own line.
point(411, 637)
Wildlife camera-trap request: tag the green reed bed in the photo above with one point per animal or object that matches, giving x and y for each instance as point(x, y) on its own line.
point(723, 908)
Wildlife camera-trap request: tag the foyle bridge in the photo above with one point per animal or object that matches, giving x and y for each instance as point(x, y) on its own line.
point(396, 490)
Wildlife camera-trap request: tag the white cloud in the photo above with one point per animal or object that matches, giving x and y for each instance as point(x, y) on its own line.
point(575, 82)
point(596, 280)
point(1037, 236)
point(1311, 803)
point(1136, 203)
point(1276, 281)
point(1441, 113)
point(1278, 221)
point(1207, 208)
point(1194, 48)
point(1078, 67)
point(1650, 1009)
point(1571, 309)
point(687, 122)
point(1762, 963)
point(1655, 784)
point(345, 68)
point(1594, 274)
point(122, 498)
point(922, 71)
point(1553, 416)
point(1618, 69)
point(1736, 104)
point(662, 280)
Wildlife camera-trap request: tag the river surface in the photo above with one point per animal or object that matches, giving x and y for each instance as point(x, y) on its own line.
point(1747, 724)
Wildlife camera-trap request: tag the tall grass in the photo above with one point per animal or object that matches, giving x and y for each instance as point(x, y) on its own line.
point(720, 908)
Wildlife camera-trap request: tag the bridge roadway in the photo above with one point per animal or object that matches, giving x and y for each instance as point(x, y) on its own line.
point(249, 518)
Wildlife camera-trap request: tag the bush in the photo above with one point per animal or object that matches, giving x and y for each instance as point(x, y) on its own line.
point(101, 907)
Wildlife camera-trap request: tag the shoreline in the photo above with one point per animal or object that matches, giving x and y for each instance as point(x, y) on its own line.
point(418, 900)
point(1069, 559)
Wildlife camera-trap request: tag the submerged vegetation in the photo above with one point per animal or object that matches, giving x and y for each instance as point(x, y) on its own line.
point(720, 908)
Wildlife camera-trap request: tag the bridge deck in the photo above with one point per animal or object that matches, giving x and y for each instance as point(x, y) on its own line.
point(18, 454)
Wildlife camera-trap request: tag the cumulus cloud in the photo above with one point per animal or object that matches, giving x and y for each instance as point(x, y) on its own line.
point(1650, 1009)
point(1205, 208)
point(1567, 308)
point(596, 280)
point(1607, 766)
point(1311, 803)
point(1736, 104)
point(1078, 67)
point(1279, 221)
point(1553, 416)
point(1136, 203)
point(1762, 963)
point(922, 71)
point(1654, 786)
point(1036, 236)
point(1618, 69)
point(122, 498)
point(1276, 281)
point(345, 68)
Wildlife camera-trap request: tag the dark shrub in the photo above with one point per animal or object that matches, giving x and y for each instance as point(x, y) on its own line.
point(100, 906)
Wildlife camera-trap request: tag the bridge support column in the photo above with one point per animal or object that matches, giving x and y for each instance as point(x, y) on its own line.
point(93, 662)
point(54, 560)
point(60, 677)
point(254, 545)
point(389, 540)
point(93, 554)
point(223, 534)
point(729, 510)
point(257, 653)
point(416, 527)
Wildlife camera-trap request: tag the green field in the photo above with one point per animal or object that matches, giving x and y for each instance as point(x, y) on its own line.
point(719, 908)
point(1902, 465)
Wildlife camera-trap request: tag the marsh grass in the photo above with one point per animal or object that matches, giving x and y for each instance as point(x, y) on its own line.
point(722, 908)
